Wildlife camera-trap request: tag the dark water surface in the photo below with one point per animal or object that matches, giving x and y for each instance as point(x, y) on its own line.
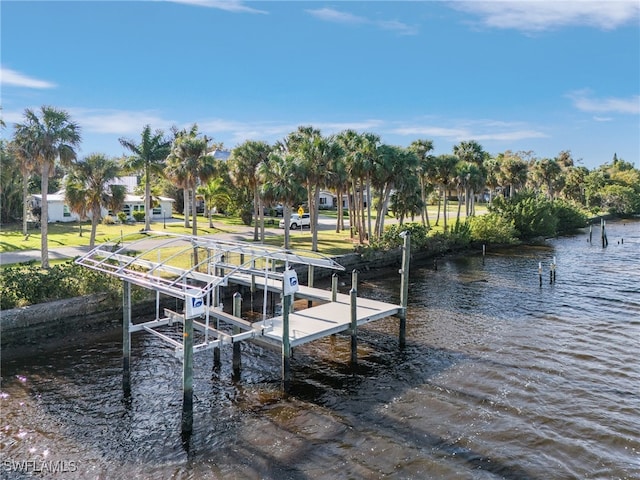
point(501, 378)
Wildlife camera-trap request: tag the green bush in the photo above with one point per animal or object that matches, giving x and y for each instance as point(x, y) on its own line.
point(122, 217)
point(139, 216)
point(533, 215)
point(28, 284)
point(492, 228)
point(391, 236)
point(570, 217)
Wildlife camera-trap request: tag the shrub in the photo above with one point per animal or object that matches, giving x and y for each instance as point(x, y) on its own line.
point(492, 228)
point(108, 220)
point(28, 284)
point(122, 217)
point(570, 217)
point(391, 236)
point(532, 215)
point(139, 216)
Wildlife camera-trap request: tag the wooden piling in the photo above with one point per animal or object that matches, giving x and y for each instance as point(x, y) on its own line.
point(404, 289)
point(126, 337)
point(484, 251)
point(540, 272)
point(354, 317)
point(187, 375)
point(590, 233)
point(237, 312)
point(286, 346)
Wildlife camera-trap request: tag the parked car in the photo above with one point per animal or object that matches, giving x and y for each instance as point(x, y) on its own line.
point(297, 221)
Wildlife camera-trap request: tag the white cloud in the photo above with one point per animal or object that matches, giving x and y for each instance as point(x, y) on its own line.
point(479, 130)
point(117, 122)
point(271, 132)
point(331, 15)
point(234, 6)
point(538, 15)
point(337, 16)
point(584, 101)
point(17, 79)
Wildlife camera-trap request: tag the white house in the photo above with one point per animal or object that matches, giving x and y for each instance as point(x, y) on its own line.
point(327, 200)
point(163, 207)
point(59, 211)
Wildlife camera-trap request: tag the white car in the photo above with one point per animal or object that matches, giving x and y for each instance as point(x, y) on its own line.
point(297, 221)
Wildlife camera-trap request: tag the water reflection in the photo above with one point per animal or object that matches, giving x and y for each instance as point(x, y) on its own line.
point(500, 378)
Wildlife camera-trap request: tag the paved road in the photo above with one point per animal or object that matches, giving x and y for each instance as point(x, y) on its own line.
point(61, 253)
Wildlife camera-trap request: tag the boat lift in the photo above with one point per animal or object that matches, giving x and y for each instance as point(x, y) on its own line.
point(194, 269)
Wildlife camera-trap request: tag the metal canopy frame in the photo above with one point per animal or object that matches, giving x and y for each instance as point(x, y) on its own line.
point(173, 271)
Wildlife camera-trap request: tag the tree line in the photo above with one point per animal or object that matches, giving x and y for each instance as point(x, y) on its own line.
point(362, 172)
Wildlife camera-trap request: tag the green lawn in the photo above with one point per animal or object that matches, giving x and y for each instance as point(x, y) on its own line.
point(74, 234)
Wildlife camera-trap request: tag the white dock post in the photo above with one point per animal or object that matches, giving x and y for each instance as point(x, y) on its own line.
point(237, 312)
point(286, 346)
point(354, 317)
point(187, 375)
point(126, 337)
point(404, 287)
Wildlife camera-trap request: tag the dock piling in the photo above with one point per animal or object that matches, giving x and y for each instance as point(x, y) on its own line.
point(286, 346)
point(404, 287)
point(237, 312)
point(310, 275)
point(540, 272)
point(334, 287)
point(187, 375)
point(126, 338)
point(353, 293)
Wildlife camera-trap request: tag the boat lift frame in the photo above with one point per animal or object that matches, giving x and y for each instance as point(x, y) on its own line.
point(193, 269)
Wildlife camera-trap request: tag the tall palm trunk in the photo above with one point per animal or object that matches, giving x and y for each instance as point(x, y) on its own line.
point(185, 194)
point(25, 203)
point(147, 198)
point(194, 212)
point(95, 216)
point(44, 217)
point(256, 214)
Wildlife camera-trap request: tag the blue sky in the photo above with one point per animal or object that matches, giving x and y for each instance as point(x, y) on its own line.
point(539, 76)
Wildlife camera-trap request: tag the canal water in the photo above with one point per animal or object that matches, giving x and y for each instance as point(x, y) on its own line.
point(501, 378)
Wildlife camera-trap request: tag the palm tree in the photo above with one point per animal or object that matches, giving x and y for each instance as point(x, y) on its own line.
point(472, 153)
point(215, 194)
point(47, 137)
point(549, 173)
point(245, 161)
point(190, 163)
point(513, 171)
point(445, 166)
point(315, 155)
point(280, 182)
point(393, 166)
point(422, 149)
point(148, 157)
point(88, 189)
point(361, 154)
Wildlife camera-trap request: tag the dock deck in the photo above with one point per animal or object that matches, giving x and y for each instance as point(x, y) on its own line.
point(318, 321)
point(323, 320)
